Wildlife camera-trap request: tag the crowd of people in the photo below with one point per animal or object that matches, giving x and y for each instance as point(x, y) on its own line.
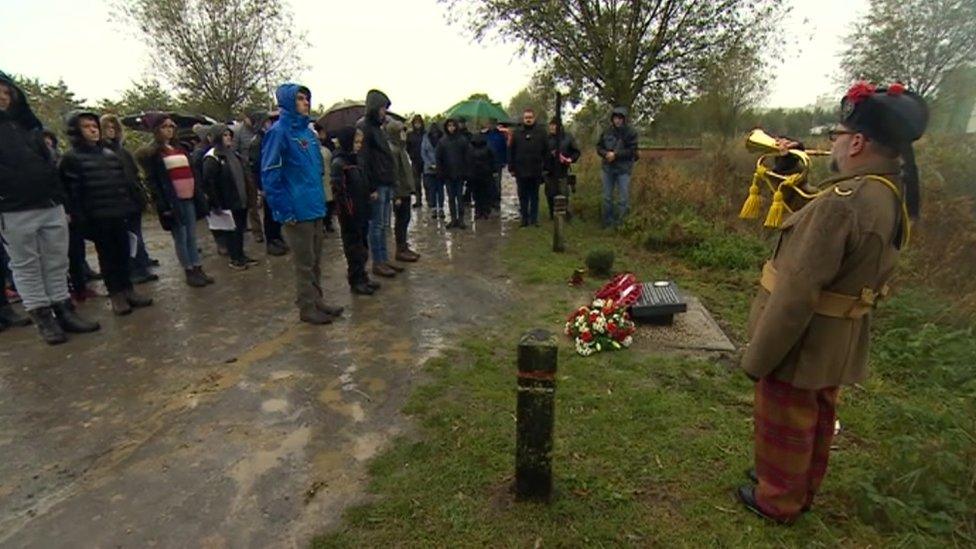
point(277, 175)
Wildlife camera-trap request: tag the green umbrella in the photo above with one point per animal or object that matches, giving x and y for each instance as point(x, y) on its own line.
point(477, 109)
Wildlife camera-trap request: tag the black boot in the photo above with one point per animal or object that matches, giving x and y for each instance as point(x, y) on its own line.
point(70, 321)
point(47, 325)
point(362, 289)
point(747, 496)
point(194, 280)
point(373, 285)
point(9, 317)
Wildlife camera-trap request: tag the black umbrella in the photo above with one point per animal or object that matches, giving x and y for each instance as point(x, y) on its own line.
point(347, 113)
point(182, 121)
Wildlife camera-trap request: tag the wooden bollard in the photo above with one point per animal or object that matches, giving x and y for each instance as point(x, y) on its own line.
point(559, 223)
point(535, 416)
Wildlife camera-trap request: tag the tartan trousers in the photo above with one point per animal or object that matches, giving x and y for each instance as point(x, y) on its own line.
point(793, 432)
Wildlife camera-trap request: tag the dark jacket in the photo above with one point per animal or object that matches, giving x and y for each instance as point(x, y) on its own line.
point(482, 159)
point(28, 177)
point(499, 146)
point(622, 141)
point(218, 180)
point(128, 163)
point(254, 147)
point(527, 153)
point(161, 187)
point(375, 158)
point(415, 141)
point(567, 149)
point(349, 189)
point(95, 179)
point(453, 154)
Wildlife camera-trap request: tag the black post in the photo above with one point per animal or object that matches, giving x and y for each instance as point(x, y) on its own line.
point(535, 416)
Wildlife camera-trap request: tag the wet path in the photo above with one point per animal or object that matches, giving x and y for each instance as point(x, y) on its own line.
point(215, 418)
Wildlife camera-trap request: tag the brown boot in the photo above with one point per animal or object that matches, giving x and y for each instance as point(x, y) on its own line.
point(382, 269)
point(313, 315)
point(406, 256)
point(120, 305)
point(395, 267)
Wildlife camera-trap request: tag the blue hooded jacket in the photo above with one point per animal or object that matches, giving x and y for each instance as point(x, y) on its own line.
point(291, 163)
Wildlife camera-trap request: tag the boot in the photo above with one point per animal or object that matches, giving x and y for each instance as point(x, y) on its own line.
point(137, 300)
point(315, 316)
point(194, 280)
point(362, 288)
point(395, 267)
point(204, 276)
point(331, 311)
point(120, 305)
point(373, 285)
point(9, 317)
point(382, 269)
point(276, 247)
point(48, 326)
point(412, 254)
point(405, 255)
point(70, 321)
point(143, 277)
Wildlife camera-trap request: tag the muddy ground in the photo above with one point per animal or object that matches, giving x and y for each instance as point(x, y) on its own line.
point(215, 418)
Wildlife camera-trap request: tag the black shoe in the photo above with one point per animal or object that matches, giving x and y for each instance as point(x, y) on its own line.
point(70, 321)
point(362, 289)
point(276, 248)
point(194, 280)
point(331, 311)
point(204, 276)
point(315, 316)
point(373, 285)
point(251, 261)
point(238, 265)
point(142, 278)
point(9, 317)
point(47, 325)
point(747, 496)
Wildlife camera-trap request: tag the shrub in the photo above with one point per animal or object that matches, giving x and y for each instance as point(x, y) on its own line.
point(600, 262)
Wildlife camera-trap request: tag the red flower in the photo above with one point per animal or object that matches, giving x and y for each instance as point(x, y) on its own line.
point(859, 92)
point(586, 337)
point(896, 89)
point(593, 317)
point(611, 327)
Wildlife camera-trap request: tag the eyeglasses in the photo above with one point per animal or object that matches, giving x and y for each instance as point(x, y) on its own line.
point(832, 135)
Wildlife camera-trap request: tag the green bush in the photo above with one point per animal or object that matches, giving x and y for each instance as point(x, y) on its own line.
point(600, 262)
point(727, 251)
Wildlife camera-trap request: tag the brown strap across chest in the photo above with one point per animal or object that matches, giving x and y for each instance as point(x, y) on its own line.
point(833, 304)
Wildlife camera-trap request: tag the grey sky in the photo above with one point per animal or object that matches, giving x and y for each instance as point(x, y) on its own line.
point(404, 47)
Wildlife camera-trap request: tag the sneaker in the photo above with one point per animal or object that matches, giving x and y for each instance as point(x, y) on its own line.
point(236, 265)
point(250, 261)
point(194, 280)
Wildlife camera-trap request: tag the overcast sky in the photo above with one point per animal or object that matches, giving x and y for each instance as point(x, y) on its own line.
point(404, 47)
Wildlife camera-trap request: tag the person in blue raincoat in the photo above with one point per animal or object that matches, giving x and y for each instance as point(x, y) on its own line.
point(291, 174)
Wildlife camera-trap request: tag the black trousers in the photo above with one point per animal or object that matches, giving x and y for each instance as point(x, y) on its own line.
point(235, 238)
point(355, 246)
point(556, 186)
point(481, 188)
point(111, 238)
point(401, 214)
point(76, 259)
point(528, 192)
point(418, 182)
point(140, 263)
point(272, 229)
point(4, 276)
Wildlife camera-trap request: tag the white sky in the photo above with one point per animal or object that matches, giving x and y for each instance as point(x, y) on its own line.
point(404, 47)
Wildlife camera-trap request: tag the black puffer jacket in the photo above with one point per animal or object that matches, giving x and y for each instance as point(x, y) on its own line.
point(95, 178)
point(528, 150)
point(28, 177)
point(453, 156)
point(376, 158)
point(482, 159)
point(348, 187)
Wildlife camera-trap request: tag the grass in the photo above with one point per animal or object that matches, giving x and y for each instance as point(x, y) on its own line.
point(649, 446)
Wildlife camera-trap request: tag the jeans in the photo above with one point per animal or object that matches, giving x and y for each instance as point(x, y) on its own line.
point(305, 238)
point(185, 234)
point(140, 263)
point(380, 223)
point(401, 222)
point(235, 238)
point(528, 192)
point(455, 199)
point(435, 191)
point(37, 243)
point(621, 182)
point(111, 238)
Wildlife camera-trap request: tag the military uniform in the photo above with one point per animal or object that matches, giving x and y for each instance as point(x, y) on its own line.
point(809, 326)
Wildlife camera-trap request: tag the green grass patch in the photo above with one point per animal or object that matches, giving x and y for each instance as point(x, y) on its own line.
point(649, 447)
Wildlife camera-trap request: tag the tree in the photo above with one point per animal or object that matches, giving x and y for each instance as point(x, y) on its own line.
point(539, 95)
point(730, 86)
point(916, 42)
point(50, 102)
point(625, 52)
point(218, 53)
point(145, 95)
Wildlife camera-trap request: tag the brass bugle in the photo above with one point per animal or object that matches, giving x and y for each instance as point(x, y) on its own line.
point(761, 142)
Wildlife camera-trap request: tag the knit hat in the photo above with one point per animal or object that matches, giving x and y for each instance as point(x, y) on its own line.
point(153, 120)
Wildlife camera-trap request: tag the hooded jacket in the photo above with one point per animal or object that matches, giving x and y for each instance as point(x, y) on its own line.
point(528, 150)
point(622, 141)
point(565, 147)
point(453, 154)
point(376, 158)
point(291, 163)
point(128, 161)
point(223, 190)
point(482, 159)
point(499, 146)
point(415, 141)
point(404, 172)
point(28, 177)
point(428, 148)
point(94, 177)
point(348, 186)
point(254, 147)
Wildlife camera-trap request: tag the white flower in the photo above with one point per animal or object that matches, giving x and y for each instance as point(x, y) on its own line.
point(598, 303)
point(627, 341)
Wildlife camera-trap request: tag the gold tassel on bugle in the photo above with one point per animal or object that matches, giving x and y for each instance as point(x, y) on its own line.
point(775, 216)
point(750, 210)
